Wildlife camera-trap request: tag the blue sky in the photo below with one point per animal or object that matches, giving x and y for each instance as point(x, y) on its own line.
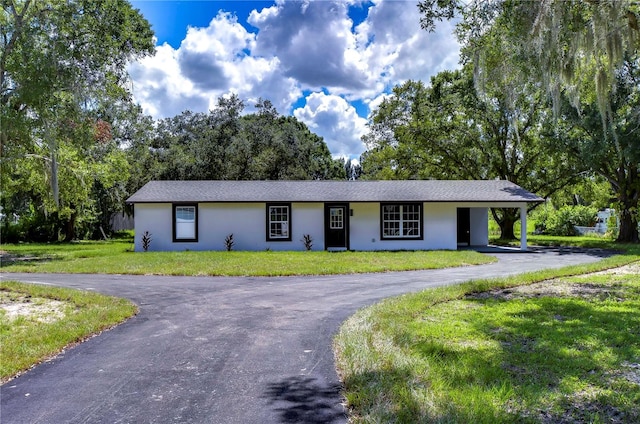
point(327, 62)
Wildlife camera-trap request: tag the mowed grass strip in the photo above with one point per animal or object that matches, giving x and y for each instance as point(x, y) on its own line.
point(116, 257)
point(37, 322)
point(486, 352)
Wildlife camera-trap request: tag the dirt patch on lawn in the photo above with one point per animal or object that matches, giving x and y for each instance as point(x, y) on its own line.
point(15, 306)
point(560, 288)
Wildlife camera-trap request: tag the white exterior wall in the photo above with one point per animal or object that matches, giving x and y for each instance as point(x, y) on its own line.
point(439, 228)
point(156, 219)
point(306, 218)
point(479, 218)
point(246, 221)
point(217, 221)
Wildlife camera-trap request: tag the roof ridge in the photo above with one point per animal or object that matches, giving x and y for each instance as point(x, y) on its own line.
point(162, 191)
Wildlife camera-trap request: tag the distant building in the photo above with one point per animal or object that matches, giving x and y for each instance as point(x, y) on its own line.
point(602, 223)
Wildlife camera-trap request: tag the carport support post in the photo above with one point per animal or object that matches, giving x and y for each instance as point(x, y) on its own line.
point(523, 228)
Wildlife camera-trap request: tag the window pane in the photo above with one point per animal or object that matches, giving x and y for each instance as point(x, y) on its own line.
point(185, 213)
point(391, 212)
point(391, 229)
point(411, 229)
point(336, 219)
point(278, 222)
point(402, 220)
point(185, 222)
point(411, 212)
point(185, 230)
point(276, 229)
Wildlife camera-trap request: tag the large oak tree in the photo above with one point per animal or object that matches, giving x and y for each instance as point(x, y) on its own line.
point(449, 131)
point(581, 51)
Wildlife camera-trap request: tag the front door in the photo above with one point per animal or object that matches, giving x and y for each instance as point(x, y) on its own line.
point(464, 226)
point(336, 226)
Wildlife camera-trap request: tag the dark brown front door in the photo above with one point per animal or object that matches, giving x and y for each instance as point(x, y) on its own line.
point(336, 226)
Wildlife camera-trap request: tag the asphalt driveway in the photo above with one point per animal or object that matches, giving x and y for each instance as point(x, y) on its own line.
point(222, 350)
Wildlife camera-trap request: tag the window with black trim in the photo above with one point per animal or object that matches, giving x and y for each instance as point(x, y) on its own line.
point(185, 223)
point(401, 221)
point(279, 222)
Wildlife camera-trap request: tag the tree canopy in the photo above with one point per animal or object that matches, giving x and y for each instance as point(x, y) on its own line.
point(73, 146)
point(449, 131)
point(581, 52)
point(223, 144)
point(62, 86)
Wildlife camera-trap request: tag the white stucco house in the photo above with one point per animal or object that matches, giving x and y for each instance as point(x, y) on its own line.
point(338, 215)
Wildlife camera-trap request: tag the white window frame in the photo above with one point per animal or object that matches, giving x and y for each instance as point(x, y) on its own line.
point(336, 221)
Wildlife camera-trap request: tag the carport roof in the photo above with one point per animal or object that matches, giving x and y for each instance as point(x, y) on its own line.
point(332, 191)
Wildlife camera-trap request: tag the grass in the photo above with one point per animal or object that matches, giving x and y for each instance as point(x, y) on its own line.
point(455, 355)
point(50, 319)
point(116, 257)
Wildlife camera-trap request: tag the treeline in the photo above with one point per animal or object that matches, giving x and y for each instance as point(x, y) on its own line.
point(224, 144)
point(74, 146)
point(547, 97)
point(116, 159)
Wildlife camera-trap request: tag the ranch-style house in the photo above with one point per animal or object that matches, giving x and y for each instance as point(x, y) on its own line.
point(337, 215)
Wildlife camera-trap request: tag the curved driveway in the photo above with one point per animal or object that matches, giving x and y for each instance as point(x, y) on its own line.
point(221, 350)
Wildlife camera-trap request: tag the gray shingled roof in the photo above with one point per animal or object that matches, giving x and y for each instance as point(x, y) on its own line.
point(332, 191)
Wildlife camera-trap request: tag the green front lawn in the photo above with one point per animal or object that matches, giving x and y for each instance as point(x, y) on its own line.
point(486, 352)
point(116, 257)
point(37, 322)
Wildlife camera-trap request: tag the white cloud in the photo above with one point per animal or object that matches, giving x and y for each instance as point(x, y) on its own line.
point(318, 46)
point(312, 40)
point(310, 46)
point(210, 62)
point(391, 41)
point(160, 87)
point(375, 102)
point(334, 119)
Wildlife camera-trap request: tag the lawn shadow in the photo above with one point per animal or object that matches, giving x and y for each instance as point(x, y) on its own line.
point(7, 259)
point(304, 399)
point(552, 340)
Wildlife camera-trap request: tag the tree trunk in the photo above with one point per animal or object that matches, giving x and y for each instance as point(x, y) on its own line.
point(628, 224)
point(506, 218)
point(628, 204)
point(70, 234)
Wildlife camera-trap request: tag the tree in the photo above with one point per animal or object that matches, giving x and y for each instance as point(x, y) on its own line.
point(62, 73)
point(613, 150)
point(91, 175)
point(223, 144)
point(448, 131)
point(352, 169)
point(578, 50)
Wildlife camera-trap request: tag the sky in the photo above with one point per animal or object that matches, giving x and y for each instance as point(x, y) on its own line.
point(329, 63)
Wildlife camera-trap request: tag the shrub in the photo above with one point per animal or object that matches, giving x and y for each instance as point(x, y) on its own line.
point(562, 222)
point(146, 240)
point(10, 232)
point(307, 240)
point(228, 242)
